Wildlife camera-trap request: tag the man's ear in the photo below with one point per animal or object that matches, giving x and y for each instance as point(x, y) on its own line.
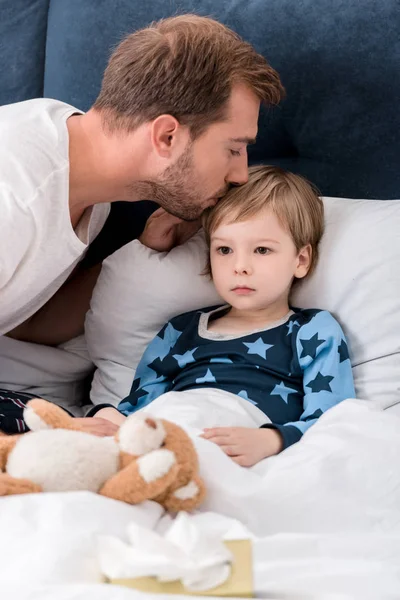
point(168, 137)
point(303, 261)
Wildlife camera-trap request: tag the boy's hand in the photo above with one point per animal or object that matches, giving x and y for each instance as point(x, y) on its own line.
point(245, 445)
point(97, 426)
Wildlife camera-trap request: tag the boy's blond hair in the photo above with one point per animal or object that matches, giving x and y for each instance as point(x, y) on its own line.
point(293, 199)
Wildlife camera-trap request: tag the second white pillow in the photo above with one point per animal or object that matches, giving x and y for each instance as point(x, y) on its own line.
point(357, 279)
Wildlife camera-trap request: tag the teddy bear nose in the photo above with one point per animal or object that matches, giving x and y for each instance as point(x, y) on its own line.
point(151, 423)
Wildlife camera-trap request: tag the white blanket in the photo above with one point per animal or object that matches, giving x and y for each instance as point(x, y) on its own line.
point(324, 515)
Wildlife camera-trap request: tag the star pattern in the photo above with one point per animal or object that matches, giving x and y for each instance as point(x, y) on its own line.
point(147, 374)
point(244, 394)
point(160, 346)
point(258, 347)
point(310, 346)
point(343, 351)
point(283, 391)
point(138, 391)
point(185, 359)
point(316, 415)
point(155, 388)
point(221, 360)
point(306, 380)
point(314, 402)
point(290, 326)
point(208, 378)
point(320, 383)
point(157, 351)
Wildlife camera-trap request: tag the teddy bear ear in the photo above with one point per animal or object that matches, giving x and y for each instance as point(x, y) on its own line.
point(140, 434)
point(34, 421)
point(40, 414)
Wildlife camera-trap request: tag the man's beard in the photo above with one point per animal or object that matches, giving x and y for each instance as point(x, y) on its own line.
point(178, 190)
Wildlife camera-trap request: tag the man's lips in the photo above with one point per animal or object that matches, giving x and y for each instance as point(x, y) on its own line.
point(215, 199)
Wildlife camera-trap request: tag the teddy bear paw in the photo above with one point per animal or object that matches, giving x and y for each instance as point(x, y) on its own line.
point(156, 464)
point(187, 492)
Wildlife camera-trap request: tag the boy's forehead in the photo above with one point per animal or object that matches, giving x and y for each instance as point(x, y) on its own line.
point(264, 224)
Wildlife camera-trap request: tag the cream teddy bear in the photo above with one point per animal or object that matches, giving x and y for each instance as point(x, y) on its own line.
point(148, 459)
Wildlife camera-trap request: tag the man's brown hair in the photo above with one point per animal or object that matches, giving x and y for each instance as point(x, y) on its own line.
point(184, 66)
point(293, 199)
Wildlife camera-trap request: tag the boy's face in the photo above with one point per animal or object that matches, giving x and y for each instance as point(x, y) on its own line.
point(253, 263)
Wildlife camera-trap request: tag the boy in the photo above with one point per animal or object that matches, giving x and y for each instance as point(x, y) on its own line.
point(292, 364)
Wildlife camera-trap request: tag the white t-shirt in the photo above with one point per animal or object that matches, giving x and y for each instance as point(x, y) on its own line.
point(38, 246)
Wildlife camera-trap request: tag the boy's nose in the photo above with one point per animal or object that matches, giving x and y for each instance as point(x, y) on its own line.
point(242, 268)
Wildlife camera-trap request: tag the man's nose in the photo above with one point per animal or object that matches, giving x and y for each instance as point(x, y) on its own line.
point(239, 173)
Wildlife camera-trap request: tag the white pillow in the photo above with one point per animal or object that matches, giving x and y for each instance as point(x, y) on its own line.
point(137, 292)
point(57, 374)
point(357, 279)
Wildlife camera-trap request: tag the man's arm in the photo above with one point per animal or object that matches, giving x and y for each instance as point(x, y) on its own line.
point(63, 316)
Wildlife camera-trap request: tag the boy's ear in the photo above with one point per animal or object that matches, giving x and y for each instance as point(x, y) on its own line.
point(303, 262)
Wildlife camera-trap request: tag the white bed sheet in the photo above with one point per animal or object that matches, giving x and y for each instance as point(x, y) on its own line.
point(324, 517)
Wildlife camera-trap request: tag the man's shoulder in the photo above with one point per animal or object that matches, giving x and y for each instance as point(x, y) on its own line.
point(12, 116)
point(34, 146)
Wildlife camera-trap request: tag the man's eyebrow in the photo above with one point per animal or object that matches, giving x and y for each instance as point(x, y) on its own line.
point(243, 140)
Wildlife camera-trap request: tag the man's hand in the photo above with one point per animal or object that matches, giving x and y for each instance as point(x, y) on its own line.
point(246, 446)
point(164, 231)
point(97, 426)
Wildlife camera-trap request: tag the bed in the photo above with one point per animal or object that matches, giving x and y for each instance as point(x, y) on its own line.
point(324, 516)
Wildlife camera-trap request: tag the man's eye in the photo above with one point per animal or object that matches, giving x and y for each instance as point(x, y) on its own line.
point(224, 250)
point(262, 250)
point(235, 152)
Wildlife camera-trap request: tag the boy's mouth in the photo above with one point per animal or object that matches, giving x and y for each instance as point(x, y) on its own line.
point(243, 289)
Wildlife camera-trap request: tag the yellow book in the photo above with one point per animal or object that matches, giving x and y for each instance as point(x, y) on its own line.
point(239, 584)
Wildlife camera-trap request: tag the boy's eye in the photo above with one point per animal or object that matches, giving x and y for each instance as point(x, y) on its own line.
point(262, 250)
point(224, 250)
point(235, 152)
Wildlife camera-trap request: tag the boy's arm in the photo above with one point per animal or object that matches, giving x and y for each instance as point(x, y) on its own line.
point(150, 382)
point(327, 375)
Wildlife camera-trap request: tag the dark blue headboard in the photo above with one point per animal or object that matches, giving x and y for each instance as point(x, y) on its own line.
point(339, 61)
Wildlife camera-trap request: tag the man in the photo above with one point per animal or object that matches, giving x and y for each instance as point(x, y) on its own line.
point(178, 106)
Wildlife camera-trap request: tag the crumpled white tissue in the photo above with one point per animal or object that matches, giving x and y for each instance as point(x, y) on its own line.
point(199, 559)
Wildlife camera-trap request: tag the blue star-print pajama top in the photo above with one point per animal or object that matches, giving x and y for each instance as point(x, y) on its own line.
point(293, 371)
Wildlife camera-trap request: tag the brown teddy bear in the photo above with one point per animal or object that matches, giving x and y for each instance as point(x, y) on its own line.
point(148, 459)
